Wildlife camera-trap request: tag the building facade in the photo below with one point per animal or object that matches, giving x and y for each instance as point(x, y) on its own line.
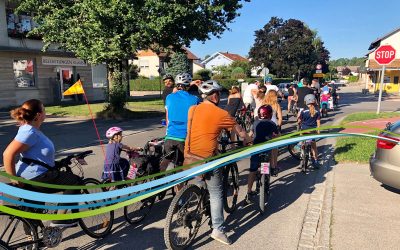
point(392, 72)
point(26, 72)
point(221, 59)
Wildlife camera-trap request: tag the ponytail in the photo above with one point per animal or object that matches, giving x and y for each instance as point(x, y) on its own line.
point(27, 112)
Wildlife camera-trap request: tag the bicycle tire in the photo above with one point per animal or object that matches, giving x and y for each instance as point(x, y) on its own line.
point(136, 212)
point(264, 191)
point(11, 242)
point(293, 152)
point(189, 219)
point(105, 224)
point(230, 183)
point(304, 162)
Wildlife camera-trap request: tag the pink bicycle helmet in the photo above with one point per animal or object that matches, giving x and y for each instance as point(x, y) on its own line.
point(112, 131)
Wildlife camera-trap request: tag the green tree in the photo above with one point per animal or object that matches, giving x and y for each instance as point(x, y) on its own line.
point(179, 63)
point(203, 74)
point(112, 31)
point(245, 65)
point(287, 47)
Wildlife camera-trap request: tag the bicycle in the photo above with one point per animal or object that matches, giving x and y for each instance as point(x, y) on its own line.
point(18, 232)
point(263, 181)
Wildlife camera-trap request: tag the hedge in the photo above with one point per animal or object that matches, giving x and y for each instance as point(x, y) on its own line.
point(154, 85)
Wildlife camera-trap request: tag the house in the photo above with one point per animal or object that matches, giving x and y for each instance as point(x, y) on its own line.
point(149, 63)
point(374, 70)
point(197, 65)
point(347, 70)
point(27, 72)
point(222, 59)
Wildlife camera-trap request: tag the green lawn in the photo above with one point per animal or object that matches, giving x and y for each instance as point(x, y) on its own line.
point(358, 149)
point(139, 108)
point(362, 116)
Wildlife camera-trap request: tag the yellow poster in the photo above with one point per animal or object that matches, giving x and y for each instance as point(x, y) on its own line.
point(75, 89)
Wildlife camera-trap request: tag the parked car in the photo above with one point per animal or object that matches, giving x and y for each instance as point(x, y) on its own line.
point(385, 162)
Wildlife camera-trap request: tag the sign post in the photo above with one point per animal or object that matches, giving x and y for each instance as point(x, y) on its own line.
point(264, 73)
point(384, 55)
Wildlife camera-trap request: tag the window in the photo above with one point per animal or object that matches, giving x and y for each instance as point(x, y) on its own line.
point(396, 80)
point(143, 64)
point(24, 73)
point(99, 76)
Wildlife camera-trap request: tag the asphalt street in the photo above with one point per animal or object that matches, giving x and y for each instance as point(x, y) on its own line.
point(278, 228)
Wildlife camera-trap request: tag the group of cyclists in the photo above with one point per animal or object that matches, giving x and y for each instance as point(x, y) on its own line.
point(193, 127)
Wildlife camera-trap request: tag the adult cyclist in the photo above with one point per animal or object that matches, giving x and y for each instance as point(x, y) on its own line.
point(168, 80)
point(302, 92)
point(205, 123)
point(176, 107)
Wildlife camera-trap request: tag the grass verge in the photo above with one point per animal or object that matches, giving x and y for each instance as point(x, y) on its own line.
point(134, 109)
point(358, 149)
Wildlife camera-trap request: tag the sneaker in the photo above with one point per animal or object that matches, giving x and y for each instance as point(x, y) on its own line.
point(64, 223)
point(248, 199)
point(220, 236)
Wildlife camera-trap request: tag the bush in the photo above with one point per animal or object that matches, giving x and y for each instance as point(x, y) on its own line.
point(116, 96)
point(203, 74)
point(238, 73)
point(142, 84)
point(353, 79)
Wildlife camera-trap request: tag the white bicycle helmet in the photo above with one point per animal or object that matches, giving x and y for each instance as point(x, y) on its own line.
point(309, 99)
point(209, 87)
point(183, 79)
point(112, 131)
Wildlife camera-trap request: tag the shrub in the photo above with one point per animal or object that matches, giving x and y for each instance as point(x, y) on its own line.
point(145, 84)
point(205, 74)
point(353, 79)
point(117, 96)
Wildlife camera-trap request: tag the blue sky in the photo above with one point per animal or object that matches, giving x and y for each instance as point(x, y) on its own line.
point(346, 27)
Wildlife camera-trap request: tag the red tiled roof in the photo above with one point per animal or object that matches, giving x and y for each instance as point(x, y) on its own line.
point(234, 57)
point(149, 52)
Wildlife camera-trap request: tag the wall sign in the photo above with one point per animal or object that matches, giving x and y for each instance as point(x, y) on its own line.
point(63, 61)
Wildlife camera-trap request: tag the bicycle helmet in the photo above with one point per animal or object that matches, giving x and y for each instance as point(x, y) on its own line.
point(265, 112)
point(168, 76)
point(268, 79)
point(183, 79)
point(309, 99)
point(209, 87)
point(112, 131)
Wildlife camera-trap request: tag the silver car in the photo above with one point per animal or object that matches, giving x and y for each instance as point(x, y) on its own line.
point(385, 162)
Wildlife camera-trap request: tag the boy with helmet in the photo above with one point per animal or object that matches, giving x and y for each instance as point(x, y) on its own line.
point(264, 130)
point(168, 80)
point(177, 105)
point(115, 167)
point(206, 122)
point(311, 118)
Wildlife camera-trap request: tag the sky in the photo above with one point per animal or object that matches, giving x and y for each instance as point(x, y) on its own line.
point(347, 27)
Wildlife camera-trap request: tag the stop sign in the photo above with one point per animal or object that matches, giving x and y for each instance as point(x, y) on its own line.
point(385, 54)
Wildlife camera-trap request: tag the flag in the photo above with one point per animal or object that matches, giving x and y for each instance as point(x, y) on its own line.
point(75, 89)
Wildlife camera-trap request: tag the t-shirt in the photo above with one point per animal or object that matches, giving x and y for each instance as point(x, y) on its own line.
point(263, 130)
point(271, 87)
point(41, 148)
point(167, 90)
point(301, 93)
point(307, 121)
point(247, 95)
point(325, 98)
point(177, 104)
point(206, 121)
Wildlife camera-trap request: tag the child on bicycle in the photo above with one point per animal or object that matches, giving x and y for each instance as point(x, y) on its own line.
point(264, 130)
point(311, 118)
point(325, 99)
point(115, 167)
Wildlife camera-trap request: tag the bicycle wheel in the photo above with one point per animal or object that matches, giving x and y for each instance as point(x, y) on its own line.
point(248, 123)
point(304, 161)
point(18, 233)
point(184, 218)
point(136, 212)
point(264, 191)
point(97, 226)
point(295, 150)
point(231, 187)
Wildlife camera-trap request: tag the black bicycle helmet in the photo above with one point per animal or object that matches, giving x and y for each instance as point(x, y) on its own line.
point(168, 76)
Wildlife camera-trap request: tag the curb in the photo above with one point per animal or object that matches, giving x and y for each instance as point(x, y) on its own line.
point(315, 232)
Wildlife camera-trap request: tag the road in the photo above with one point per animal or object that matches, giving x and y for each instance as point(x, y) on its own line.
point(278, 228)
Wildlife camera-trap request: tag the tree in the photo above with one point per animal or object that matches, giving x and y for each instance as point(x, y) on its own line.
point(179, 63)
point(112, 31)
point(245, 65)
point(287, 47)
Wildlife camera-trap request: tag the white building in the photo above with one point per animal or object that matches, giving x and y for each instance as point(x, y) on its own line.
point(222, 59)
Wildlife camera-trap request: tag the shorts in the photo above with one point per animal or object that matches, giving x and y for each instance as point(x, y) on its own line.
point(326, 103)
point(171, 145)
point(254, 163)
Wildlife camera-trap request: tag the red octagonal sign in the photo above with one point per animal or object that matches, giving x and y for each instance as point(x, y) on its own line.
point(385, 54)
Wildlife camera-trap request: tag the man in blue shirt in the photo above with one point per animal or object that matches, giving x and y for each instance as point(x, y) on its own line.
point(177, 106)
